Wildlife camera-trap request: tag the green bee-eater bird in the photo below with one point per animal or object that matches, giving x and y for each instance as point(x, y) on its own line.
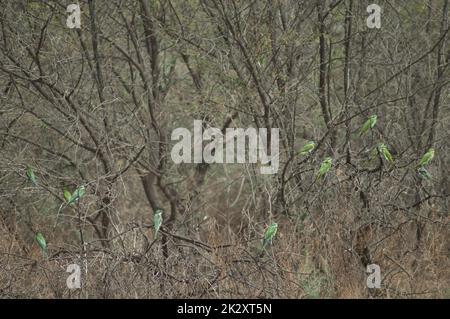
point(42, 243)
point(385, 152)
point(307, 148)
point(76, 195)
point(269, 234)
point(157, 221)
point(31, 176)
point(67, 195)
point(423, 173)
point(426, 158)
point(370, 123)
point(324, 167)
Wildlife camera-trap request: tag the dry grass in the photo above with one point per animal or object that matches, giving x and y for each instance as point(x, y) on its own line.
point(318, 254)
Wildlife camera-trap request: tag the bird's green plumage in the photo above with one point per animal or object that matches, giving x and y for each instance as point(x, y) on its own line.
point(426, 158)
point(307, 148)
point(325, 167)
point(70, 199)
point(269, 234)
point(76, 195)
point(157, 221)
point(31, 176)
point(423, 173)
point(385, 152)
point(67, 195)
point(368, 124)
point(40, 239)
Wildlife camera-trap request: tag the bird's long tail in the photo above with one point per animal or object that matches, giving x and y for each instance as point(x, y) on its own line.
point(262, 249)
point(318, 176)
point(63, 205)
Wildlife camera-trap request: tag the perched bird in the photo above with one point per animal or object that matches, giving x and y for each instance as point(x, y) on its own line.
point(67, 195)
point(76, 195)
point(370, 123)
point(324, 167)
point(382, 148)
point(307, 148)
point(42, 244)
point(157, 221)
point(31, 176)
point(426, 158)
point(269, 234)
point(423, 173)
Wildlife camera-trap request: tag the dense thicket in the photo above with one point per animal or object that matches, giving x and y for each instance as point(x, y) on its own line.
point(96, 106)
